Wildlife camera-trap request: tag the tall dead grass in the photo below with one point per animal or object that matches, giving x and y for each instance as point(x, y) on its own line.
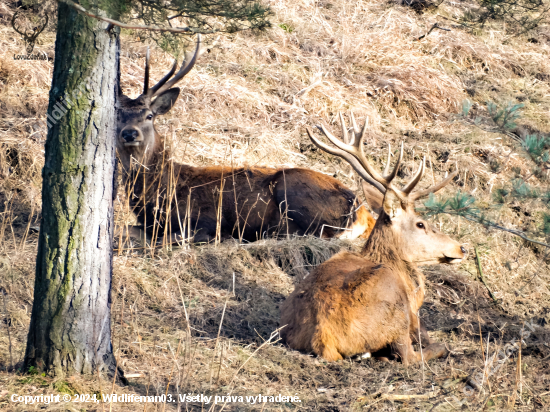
point(247, 102)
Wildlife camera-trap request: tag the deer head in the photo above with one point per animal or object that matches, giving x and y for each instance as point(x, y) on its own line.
point(398, 224)
point(28, 36)
point(136, 134)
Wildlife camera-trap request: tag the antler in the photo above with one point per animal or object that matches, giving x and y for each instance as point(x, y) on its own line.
point(423, 193)
point(29, 38)
point(166, 83)
point(13, 24)
point(347, 157)
point(353, 153)
point(35, 32)
point(351, 150)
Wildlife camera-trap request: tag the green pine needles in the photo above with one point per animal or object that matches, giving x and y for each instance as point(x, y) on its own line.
point(536, 150)
point(199, 16)
point(499, 119)
point(504, 117)
point(187, 17)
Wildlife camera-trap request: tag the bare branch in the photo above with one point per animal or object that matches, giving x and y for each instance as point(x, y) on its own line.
point(435, 26)
point(484, 222)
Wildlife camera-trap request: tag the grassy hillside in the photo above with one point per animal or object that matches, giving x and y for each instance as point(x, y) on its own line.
point(248, 101)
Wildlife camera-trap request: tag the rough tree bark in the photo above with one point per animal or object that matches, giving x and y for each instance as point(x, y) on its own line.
point(70, 329)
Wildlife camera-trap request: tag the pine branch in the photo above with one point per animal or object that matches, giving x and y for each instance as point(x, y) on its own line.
point(462, 205)
point(518, 233)
point(179, 30)
point(485, 222)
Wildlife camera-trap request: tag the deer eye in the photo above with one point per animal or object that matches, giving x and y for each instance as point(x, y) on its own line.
point(420, 225)
point(149, 117)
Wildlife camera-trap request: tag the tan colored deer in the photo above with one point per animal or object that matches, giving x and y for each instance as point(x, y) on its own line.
point(357, 303)
point(203, 203)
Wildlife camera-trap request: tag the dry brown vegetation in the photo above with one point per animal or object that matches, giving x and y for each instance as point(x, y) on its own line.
point(247, 102)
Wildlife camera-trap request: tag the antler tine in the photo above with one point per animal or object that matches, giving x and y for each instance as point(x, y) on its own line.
point(387, 168)
point(13, 24)
point(358, 153)
point(423, 193)
point(356, 150)
point(348, 157)
point(153, 90)
point(36, 33)
point(184, 69)
point(414, 181)
point(391, 176)
point(345, 135)
point(356, 128)
point(146, 77)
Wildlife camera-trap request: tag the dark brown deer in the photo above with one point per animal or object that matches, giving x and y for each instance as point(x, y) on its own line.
point(357, 303)
point(205, 203)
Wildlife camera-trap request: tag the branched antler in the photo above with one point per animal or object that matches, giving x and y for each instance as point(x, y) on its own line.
point(350, 148)
point(29, 38)
point(168, 81)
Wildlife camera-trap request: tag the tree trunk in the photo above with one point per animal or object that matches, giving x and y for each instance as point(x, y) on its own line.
point(70, 329)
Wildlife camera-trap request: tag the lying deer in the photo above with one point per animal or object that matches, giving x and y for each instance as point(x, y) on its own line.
point(254, 201)
point(357, 303)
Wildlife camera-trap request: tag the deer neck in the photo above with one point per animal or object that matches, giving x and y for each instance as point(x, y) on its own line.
point(144, 158)
point(144, 168)
point(383, 246)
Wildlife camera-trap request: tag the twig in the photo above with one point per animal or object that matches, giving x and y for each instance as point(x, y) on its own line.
point(7, 324)
point(184, 308)
point(398, 397)
point(481, 276)
point(494, 225)
point(273, 335)
point(435, 26)
point(519, 369)
point(456, 21)
point(181, 30)
point(496, 130)
point(218, 339)
point(171, 371)
point(100, 390)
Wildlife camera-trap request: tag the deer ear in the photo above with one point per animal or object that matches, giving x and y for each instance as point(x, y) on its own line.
point(373, 197)
point(165, 101)
point(392, 204)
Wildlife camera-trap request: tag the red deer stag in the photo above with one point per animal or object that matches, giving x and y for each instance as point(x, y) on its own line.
point(366, 302)
point(184, 200)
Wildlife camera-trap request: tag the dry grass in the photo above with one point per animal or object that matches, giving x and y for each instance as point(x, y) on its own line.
point(247, 102)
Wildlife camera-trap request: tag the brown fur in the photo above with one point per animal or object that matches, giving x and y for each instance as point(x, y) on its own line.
point(255, 201)
point(316, 201)
point(357, 303)
point(367, 302)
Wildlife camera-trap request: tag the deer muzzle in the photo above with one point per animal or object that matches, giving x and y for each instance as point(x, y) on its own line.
point(131, 137)
point(456, 257)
